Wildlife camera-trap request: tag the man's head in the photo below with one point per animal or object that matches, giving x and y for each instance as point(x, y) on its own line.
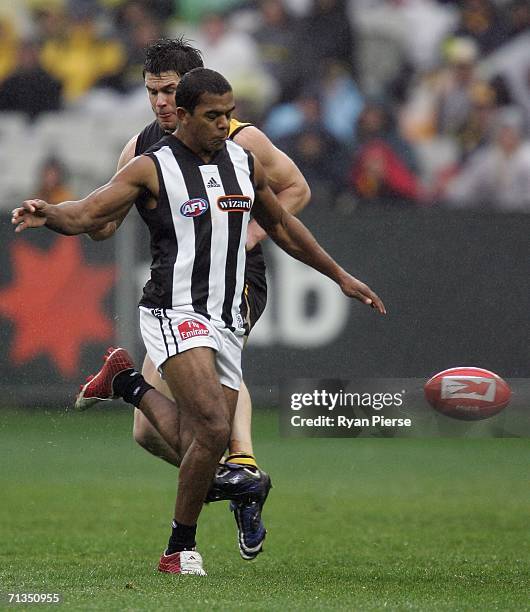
point(509, 130)
point(166, 61)
point(205, 103)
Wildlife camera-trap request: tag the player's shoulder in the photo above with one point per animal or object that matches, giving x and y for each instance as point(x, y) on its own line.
point(253, 139)
point(246, 135)
point(236, 127)
point(127, 153)
point(166, 140)
point(139, 169)
point(148, 137)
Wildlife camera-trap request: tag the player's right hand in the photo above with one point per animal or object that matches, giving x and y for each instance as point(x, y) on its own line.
point(354, 288)
point(32, 213)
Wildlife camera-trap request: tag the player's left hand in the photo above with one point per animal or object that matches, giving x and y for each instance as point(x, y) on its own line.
point(32, 213)
point(354, 288)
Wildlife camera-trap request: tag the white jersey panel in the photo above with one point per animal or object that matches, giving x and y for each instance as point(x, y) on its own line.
point(177, 194)
point(214, 188)
point(241, 166)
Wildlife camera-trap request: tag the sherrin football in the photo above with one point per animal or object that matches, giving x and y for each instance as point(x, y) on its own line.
point(469, 394)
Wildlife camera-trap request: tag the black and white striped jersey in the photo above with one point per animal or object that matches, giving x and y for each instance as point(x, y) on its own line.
point(198, 231)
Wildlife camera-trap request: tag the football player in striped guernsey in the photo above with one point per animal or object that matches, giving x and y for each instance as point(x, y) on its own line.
point(166, 61)
point(193, 307)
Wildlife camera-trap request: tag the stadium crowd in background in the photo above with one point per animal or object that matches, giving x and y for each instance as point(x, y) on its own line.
point(370, 113)
point(52, 184)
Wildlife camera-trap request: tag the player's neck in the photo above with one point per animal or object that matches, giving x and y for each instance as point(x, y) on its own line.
point(186, 140)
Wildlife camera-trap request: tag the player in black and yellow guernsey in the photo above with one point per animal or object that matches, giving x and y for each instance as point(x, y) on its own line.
point(166, 62)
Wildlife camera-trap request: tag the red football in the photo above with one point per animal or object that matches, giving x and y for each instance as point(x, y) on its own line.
point(468, 394)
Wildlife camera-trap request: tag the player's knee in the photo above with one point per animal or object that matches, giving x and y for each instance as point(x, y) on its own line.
point(154, 444)
point(145, 436)
point(214, 431)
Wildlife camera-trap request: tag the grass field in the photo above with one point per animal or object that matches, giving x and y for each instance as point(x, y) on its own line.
point(353, 524)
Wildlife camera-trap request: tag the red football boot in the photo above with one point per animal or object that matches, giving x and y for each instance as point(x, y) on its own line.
point(98, 387)
point(185, 562)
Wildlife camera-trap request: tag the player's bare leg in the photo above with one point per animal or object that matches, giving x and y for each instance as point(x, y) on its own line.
point(162, 415)
point(198, 413)
point(202, 456)
point(241, 436)
point(250, 492)
point(240, 450)
point(146, 435)
point(152, 441)
point(207, 409)
point(144, 432)
point(119, 378)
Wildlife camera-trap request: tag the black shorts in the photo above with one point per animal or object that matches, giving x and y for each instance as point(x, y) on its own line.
point(255, 287)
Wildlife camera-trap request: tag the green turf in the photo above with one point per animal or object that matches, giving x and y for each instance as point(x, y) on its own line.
point(353, 524)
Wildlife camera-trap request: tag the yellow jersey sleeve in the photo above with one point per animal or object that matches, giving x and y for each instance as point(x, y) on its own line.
point(236, 127)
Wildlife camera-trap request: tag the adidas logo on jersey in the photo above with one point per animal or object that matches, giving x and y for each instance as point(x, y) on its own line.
point(212, 183)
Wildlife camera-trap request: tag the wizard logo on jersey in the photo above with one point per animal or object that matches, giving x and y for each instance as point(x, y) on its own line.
point(234, 203)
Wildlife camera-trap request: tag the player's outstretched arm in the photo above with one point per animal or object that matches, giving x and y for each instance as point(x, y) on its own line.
point(283, 176)
point(110, 228)
point(103, 205)
point(292, 236)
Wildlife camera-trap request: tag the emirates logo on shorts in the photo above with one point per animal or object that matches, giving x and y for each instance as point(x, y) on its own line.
point(191, 328)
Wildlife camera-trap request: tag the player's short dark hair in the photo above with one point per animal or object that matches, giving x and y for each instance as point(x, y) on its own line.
point(171, 55)
point(197, 82)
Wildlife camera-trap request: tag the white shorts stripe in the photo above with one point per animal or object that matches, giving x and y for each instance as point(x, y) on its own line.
point(167, 321)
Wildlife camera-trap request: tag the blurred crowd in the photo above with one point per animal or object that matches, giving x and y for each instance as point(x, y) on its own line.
point(390, 102)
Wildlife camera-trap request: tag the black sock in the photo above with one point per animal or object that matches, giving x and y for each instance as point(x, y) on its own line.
point(182, 538)
point(131, 386)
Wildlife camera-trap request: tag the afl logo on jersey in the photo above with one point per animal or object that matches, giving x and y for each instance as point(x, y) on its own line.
point(234, 203)
point(194, 208)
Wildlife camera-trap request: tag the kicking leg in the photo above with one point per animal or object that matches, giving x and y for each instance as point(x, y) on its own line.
point(144, 432)
point(119, 378)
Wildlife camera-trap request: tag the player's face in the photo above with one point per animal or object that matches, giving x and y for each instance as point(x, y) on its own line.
point(210, 121)
point(161, 90)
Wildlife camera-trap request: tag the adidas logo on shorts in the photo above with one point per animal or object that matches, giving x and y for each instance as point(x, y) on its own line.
point(212, 183)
